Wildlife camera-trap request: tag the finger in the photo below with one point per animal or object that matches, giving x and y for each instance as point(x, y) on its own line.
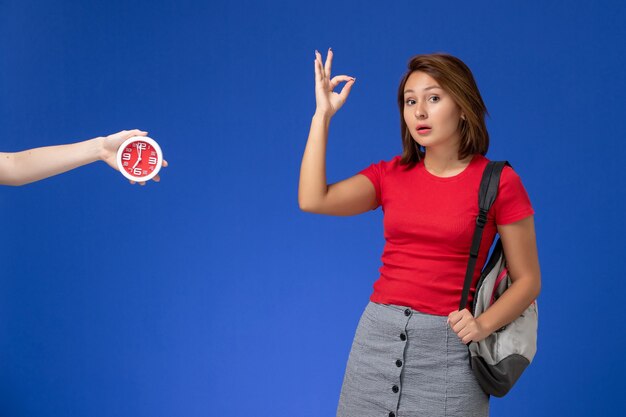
point(466, 322)
point(318, 71)
point(345, 91)
point(339, 79)
point(134, 132)
point(451, 316)
point(455, 316)
point(164, 164)
point(456, 321)
point(329, 62)
point(459, 326)
point(318, 58)
point(467, 336)
point(156, 178)
point(142, 183)
point(133, 182)
point(463, 334)
point(138, 132)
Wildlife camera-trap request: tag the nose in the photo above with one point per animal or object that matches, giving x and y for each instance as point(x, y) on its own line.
point(420, 111)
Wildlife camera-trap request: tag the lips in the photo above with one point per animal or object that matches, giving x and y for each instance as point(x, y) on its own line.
point(423, 129)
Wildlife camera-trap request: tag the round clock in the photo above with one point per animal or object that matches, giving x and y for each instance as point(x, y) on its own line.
point(139, 158)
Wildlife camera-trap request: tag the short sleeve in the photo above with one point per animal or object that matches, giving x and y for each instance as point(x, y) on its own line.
point(374, 173)
point(512, 203)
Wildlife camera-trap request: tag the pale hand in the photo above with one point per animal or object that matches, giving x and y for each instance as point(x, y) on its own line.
point(466, 327)
point(111, 144)
point(328, 102)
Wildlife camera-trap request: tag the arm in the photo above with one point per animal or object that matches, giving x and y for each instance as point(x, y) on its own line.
point(520, 248)
point(32, 165)
point(351, 196)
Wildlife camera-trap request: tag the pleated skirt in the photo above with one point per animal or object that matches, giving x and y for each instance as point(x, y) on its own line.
point(404, 363)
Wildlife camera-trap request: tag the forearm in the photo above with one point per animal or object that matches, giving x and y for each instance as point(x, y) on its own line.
point(511, 304)
point(313, 186)
point(28, 166)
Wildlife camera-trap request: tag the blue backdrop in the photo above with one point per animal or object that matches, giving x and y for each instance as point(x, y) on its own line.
point(211, 293)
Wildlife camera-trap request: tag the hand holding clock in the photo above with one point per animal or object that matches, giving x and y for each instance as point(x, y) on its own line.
point(111, 151)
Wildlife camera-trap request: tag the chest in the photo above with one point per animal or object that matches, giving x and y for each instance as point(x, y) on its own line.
point(428, 212)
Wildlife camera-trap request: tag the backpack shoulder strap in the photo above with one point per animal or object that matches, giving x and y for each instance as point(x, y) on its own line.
point(487, 194)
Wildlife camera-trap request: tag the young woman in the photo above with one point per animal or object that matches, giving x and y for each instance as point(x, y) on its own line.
point(409, 355)
point(32, 165)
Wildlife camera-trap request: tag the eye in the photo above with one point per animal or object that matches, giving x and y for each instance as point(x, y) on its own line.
point(434, 97)
point(409, 102)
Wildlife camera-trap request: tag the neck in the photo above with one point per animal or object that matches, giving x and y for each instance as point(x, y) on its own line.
point(445, 162)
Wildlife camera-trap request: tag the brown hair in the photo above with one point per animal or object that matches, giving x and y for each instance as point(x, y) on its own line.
point(455, 78)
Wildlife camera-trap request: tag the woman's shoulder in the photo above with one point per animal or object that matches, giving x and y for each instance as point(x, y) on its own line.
point(508, 173)
point(510, 181)
point(394, 163)
point(384, 166)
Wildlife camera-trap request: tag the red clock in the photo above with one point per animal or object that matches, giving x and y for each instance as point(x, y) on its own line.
point(139, 158)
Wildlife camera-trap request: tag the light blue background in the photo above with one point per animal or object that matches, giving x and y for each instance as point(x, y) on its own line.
point(211, 293)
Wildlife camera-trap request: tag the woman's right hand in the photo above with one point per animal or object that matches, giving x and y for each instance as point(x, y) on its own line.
point(328, 102)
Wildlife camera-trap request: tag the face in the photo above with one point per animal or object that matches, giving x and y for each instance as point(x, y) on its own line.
point(427, 104)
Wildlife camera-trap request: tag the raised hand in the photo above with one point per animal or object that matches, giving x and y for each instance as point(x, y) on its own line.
point(328, 102)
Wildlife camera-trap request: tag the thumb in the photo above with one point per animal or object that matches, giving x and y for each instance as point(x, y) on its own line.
point(345, 91)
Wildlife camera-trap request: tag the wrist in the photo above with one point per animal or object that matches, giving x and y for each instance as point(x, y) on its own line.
point(322, 116)
point(100, 150)
point(485, 325)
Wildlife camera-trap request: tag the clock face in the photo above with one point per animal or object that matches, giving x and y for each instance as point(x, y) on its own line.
point(139, 158)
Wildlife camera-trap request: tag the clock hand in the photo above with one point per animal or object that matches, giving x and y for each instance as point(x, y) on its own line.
point(138, 157)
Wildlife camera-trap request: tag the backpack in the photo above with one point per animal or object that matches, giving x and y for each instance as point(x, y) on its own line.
point(498, 360)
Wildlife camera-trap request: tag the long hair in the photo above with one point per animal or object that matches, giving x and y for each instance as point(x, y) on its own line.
point(457, 80)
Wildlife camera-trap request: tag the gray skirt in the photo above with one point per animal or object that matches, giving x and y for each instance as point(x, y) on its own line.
point(407, 363)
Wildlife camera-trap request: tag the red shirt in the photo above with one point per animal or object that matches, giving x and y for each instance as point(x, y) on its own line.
point(429, 222)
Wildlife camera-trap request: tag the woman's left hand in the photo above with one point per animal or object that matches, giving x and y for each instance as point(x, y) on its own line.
point(466, 327)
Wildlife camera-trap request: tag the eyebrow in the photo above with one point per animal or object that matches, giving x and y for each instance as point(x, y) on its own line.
point(425, 89)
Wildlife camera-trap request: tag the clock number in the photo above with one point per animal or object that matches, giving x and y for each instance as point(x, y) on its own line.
point(129, 149)
point(137, 172)
point(126, 156)
point(141, 146)
point(125, 163)
point(152, 160)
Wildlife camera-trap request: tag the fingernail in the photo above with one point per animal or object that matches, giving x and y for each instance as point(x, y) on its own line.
point(330, 49)
point(316, 52)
